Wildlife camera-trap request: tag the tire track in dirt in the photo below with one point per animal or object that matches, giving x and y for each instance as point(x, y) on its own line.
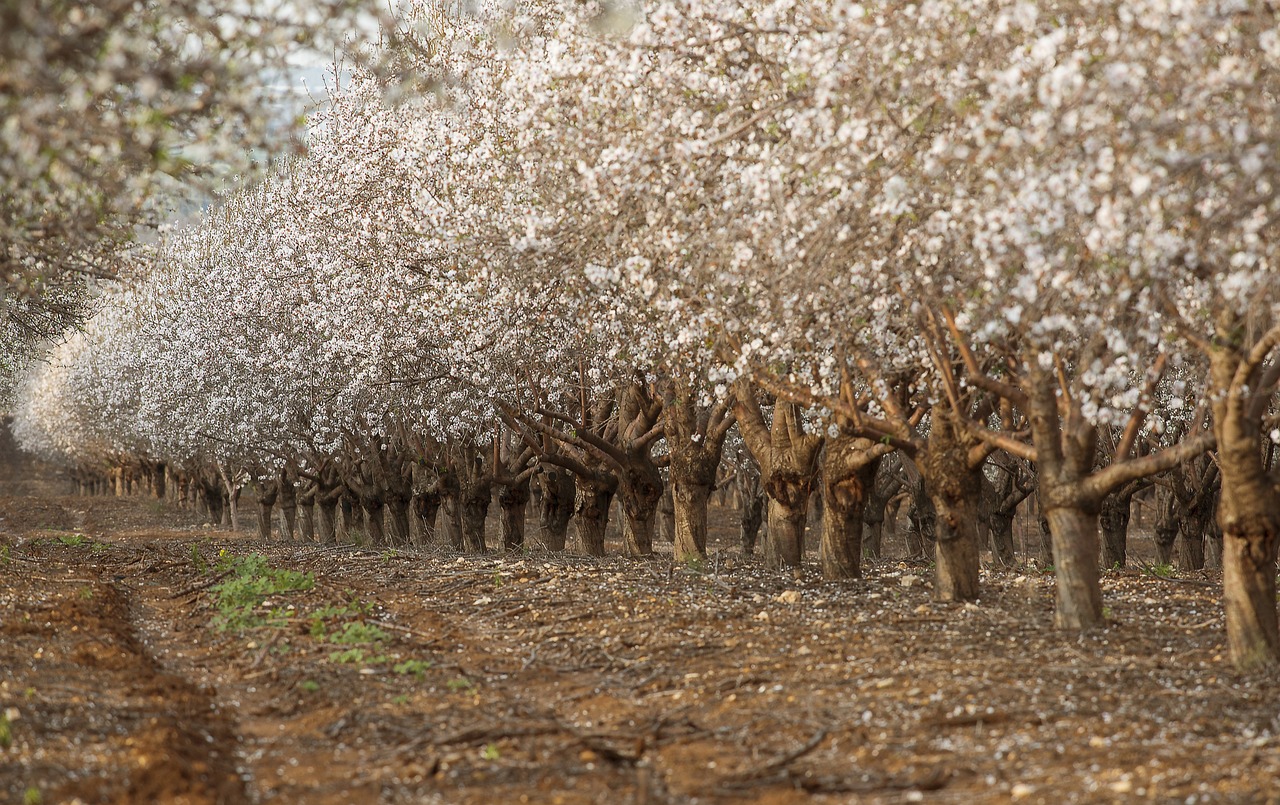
point(99, 717)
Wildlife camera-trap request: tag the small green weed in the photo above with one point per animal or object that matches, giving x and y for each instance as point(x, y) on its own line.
point(417, 668)
point(1163, 570)
point(357, 656)
point(461, 684)
point(358, 633)
point(74, 540)
point(490, 752)
point(310, 686)
point(400, 700)
point(32, 796)
point(197, 559)
point(85, 594)
point(6, 731)
point(252, 582)
point(4, 555)
point(695, 564)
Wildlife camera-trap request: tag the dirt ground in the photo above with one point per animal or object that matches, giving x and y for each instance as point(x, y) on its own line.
point(129, 674)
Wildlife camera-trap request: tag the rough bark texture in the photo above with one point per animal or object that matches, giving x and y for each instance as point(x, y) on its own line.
point(1114, 520)
point(397, 520)
point(788, 458)
point(848, 470)
point(690, 501)
point(555, 507)
point(751, 515)
point(1249, 515)
point(514, 502)
point(591, 517)
point(288, 501)
point(374, 531)
point(426, 510)
point(888, 483)
point(1075, 535)
point(266, 508)
point(667, 516)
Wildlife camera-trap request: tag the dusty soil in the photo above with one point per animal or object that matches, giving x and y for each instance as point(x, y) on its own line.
point(425, 677)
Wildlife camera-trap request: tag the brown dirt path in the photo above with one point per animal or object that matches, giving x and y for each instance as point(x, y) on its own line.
point(410, 677)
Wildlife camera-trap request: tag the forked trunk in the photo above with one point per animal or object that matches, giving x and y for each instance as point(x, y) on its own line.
point(689, 501)
point(848, 472)
point(1075, 551)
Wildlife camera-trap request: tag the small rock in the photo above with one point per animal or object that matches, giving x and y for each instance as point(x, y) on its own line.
point(909, 580)
point(1021, 791)
point(762, 615)
point(1124, 786)
point(788, 597)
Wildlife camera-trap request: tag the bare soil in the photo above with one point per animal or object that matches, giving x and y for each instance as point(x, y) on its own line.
point(547, 678)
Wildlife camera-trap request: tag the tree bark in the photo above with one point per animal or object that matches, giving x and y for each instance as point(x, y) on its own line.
point(1114, 520)
point(847, 472)
point(1075, 548)
point(690, 500)
point(426, 510)
point(397, 515)
point(958, 542)
point(592, 517)
point(555, 509)
point(514, 502)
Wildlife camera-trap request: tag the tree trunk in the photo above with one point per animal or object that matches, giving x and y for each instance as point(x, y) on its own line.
point(784, 543)
point(373, 511)
point(288, 499)
point(426, 510)
point(637, 531)
point(690, 500)
point(752, 517)
point(398, 520)
point(1002, 545)
point(556, 507)
point(592, 518)
point(327, 508)
point(1113, 517)
point(475, 510)
point(667, 516)
point(1075, 550)
point(846, 476)
point(451, 514)
point(514, 502)
point(959, 539)
point(1166, 528)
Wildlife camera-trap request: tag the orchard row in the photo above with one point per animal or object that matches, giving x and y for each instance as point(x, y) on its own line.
point(607, 243)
